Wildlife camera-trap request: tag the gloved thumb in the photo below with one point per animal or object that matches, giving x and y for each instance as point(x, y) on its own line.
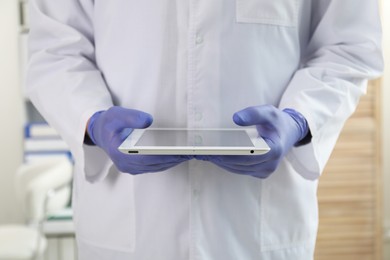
point(129, 118)
point(254, 115)
point(116, 119)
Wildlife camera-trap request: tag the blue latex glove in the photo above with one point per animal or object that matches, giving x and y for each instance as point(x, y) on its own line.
point(108, 129)
point(280, 129)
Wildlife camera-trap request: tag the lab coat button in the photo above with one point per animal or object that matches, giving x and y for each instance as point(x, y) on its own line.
point(199, 39)
point(198, 116)
point(198, 140)
point(195, 193)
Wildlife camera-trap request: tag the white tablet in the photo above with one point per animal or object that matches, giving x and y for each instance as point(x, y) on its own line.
point(194, 142)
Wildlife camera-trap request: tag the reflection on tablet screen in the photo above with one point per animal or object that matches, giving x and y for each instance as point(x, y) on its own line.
point(224, 138)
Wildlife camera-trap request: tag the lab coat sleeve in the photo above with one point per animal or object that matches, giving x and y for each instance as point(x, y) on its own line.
point(63, 80)
point(344, 51)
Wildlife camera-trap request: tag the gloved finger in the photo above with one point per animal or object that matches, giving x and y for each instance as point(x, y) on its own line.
point(149, 160)
point(257, 115)
point(243, 160)
point(128, 118)
point(259, 173)
point(156, 160)
point(161, 159)
point(255, 168)
point(202, 157)
point(166, 166)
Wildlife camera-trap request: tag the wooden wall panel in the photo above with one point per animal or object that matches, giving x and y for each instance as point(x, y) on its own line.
point(349, 189)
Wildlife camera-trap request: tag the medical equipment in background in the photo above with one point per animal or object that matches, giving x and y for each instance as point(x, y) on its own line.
point(41, 188)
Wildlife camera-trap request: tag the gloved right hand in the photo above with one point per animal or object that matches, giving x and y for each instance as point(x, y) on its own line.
point(108, 129)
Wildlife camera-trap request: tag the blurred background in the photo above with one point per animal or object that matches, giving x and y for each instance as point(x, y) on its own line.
point(36, 167)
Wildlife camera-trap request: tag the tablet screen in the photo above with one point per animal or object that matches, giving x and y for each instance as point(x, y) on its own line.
point(218, 138)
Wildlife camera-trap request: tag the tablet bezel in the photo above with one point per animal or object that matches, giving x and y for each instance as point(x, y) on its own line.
point(259, 145)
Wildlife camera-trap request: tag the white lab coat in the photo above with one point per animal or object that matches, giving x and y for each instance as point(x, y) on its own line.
point(193, 63)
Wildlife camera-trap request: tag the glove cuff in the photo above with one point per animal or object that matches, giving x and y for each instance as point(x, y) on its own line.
point(305, 135)
point(89, 137)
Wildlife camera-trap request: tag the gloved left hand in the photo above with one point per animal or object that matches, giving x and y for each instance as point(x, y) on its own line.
point(280, 129)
